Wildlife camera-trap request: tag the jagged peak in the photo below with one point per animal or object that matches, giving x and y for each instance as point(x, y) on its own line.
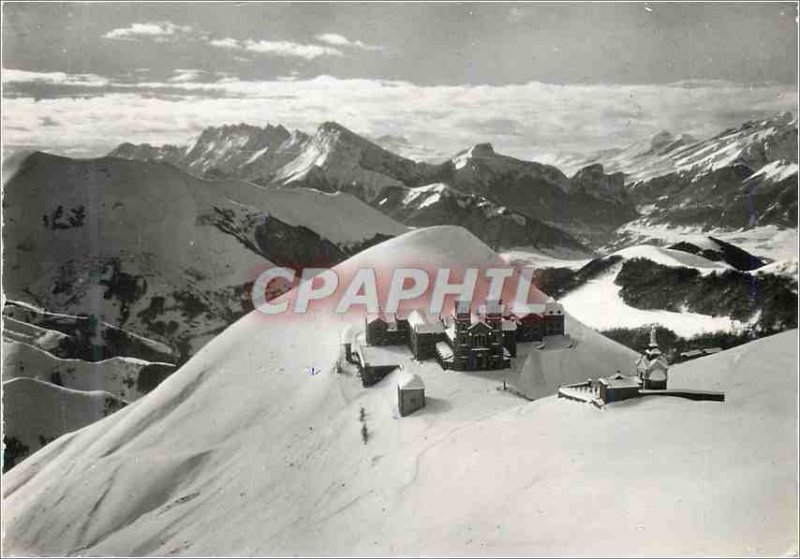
point(591, 169)
point(482, 150)
point(333, 126)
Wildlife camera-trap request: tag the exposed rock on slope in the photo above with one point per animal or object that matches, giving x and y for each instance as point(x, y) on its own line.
point(160, 252)
point(715, 249)
point(741, 177)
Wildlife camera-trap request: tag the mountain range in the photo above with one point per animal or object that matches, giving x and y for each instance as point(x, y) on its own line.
point(741, 177)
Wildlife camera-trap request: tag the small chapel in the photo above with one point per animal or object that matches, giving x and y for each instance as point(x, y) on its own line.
point(652, 367)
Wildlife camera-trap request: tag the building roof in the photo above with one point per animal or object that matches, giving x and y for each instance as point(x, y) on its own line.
point(408, 381)
point(479, 326)
point(378, 357)
point(389, 319)
point(375, 317)
point(444, 350)
point(450, 332)
point(508, 325)
point(423, 324)
point(532, 309)
point(619, 381)
point(552, 307)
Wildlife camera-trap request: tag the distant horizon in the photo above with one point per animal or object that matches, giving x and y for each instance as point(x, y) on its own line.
point(428, 155)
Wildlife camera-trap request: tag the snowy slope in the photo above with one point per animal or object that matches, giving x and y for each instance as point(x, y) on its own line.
point(769, 242)
point(43, 338)
point(123, 377)
point(36, 412)
point(285, 470)
point(598, 304)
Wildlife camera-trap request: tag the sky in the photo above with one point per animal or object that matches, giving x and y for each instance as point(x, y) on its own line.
point(532, 78)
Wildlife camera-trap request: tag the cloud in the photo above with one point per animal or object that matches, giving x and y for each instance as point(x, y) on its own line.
point(157, 31)
point(226, 43)
point(187, 75)
point(11, 76)
point(527, 120)
point(277, 48)
point(341, 41)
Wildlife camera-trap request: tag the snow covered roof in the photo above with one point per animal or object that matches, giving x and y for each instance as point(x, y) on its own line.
point(479, 326)
point(553, 307)
point(378, 357)
point(408, 381)
point(533, 309)
point(376, 317)
point(444, 351)
point(619, 381)
point(423, 324)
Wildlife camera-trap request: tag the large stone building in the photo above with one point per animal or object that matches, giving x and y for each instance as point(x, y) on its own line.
point(476, 345)
point(385, 330)
point(543, 320)
point(465, 341)
point(423, 333)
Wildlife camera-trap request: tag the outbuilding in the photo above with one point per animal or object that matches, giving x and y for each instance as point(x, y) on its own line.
point(375, 364)
point(617, 388)
point(410, 394)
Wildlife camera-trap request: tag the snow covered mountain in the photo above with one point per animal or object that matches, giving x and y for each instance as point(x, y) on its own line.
point(337, 159)
point(160, 252)
point(241, 452)
point(46, 396)
point(341, 160)
point(698, 286)
point(741, 177)
point(238, 150)
point(754, 144)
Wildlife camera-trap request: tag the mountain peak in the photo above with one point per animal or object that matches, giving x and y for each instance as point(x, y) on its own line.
point(333, 126)
point(662, 139)
point(482, 150)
